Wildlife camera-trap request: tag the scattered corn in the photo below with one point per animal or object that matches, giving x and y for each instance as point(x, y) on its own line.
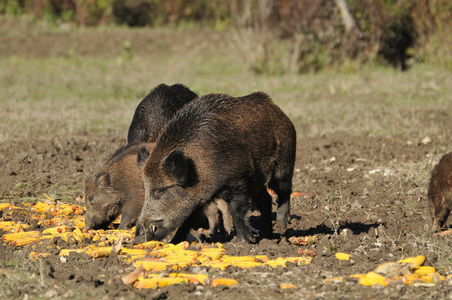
point(414, 261)
point(223, 281)
point(343, 256)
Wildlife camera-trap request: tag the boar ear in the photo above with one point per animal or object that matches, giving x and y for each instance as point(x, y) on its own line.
point(142, 156)
point(180, 167)
point(102, 179)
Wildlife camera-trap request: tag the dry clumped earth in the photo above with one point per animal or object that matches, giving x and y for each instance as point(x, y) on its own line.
point(362, 194)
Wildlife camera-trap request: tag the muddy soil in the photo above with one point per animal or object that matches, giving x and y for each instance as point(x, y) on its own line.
point(364, 195)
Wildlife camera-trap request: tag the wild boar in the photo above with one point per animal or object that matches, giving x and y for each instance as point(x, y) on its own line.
point(117, 187)
point(218, 146)
point(155, 110)
point(440, 192)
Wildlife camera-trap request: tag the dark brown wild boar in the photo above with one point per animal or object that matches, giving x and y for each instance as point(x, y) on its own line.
point(117, 187)
point(440, 192)
point(218, 146)
point(155, 110)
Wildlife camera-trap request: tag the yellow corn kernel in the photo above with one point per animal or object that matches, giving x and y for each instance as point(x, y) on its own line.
point(4, 206)
point(195, 278)
point(343, 256)
point(284, 286)
point(414, 261)
point(424, 270)
point(149, 283)
point(223, 281)
point(301, 261)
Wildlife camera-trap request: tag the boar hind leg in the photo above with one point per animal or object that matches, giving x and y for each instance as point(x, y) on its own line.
point(264, 202)
point(441, 212)
point(283, 189)
point(239, 207)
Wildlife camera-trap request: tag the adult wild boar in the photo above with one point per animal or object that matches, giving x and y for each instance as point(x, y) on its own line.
point(117, 187)
point(155, 110)
point(218, 146)
point(440, 192)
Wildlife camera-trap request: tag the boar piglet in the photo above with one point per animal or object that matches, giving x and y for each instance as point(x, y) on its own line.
point(440, 192)
point(155, 110)
point(219, 147)
point(117, 187)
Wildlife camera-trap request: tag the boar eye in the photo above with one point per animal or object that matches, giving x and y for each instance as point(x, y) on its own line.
point(157, 193)
point(90, 198)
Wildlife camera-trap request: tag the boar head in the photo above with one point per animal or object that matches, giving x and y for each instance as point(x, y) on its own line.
point(101, 200)
point(170, 194)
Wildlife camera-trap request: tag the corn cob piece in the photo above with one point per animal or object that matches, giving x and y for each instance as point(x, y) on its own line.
point(36, 256)
point(276, 262)
point(414, 261)
point(56, 230)
point(304, 240)
point(334, 279)
point(137, 252)
point(6, 225)
point(343, 256)
point(41, 207)
point(423, 270)
point(97, 252)
point(213, 253)
point(247, 264)
point(66, 210)
point(150, 245)
point(223, 281)
point(373, 278)
point(284, 286)
point(4, 206)
point(195, 278)
point(153, 266)
point(25, 240)
point(149, 283)
point(14, 236)
point(216, 264)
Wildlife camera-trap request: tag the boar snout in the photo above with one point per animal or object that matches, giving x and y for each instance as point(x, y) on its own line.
point(147, 230)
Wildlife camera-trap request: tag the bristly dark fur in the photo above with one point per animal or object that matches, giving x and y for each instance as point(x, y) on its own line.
point(155, 110)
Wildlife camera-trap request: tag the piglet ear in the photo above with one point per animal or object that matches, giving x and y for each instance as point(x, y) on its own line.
point(180, 168)
point(102, 179)
point(142, 156)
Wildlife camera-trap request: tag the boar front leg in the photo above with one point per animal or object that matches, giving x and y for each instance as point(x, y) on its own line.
point(239, 207)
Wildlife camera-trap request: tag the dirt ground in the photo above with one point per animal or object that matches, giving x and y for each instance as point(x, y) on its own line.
point(364, 195)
